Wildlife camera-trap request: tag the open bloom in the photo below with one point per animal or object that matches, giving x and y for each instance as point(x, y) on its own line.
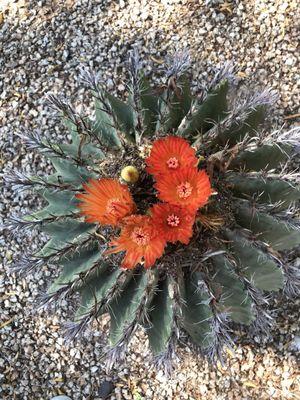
point(170, 154)
point(106, 201)
point(186, 187)
point(173, 222)
point(140, 240)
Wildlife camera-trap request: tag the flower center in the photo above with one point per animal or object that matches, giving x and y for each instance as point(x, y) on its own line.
point(140, 237)
point(112, 206)
point(173, 220)
point(184, 190)
point(173, 163)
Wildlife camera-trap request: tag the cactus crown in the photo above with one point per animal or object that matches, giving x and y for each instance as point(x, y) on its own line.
point(233, 260)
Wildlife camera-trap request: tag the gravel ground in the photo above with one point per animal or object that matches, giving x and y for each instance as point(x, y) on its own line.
point(42, 44)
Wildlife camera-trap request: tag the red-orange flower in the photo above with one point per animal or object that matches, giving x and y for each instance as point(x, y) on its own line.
point(170, 154)
point(175, 223)
point(105, 201)
point(186, 187)
point(141, 241)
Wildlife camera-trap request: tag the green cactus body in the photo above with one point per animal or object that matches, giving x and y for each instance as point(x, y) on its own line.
point(240, 264)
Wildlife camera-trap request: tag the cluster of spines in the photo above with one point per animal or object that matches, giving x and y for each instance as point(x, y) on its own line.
point(249, 147)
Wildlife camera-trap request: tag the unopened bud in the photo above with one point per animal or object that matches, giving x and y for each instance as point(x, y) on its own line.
point(130, 174)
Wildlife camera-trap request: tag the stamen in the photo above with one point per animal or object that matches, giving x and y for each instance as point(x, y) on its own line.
point(112, 206)
point(140, 237)
point(173, 220)
point(173, 163)
point(184, 190)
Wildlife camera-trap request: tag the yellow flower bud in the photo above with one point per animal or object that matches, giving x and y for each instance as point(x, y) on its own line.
point(130, 174)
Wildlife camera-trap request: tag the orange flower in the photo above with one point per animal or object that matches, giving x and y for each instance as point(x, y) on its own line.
point(141, 241)
point(186, 187)
point(173, 222)
point(170, 154)
point(105, 201)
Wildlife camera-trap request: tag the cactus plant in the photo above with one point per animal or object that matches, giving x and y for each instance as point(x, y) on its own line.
point(226, 263)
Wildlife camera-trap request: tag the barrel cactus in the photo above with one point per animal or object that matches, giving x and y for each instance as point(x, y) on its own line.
point(190, 187)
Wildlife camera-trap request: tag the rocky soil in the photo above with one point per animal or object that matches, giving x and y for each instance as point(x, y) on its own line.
point(42, 45)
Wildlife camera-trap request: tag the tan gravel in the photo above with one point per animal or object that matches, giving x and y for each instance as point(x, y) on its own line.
point(42, 44)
